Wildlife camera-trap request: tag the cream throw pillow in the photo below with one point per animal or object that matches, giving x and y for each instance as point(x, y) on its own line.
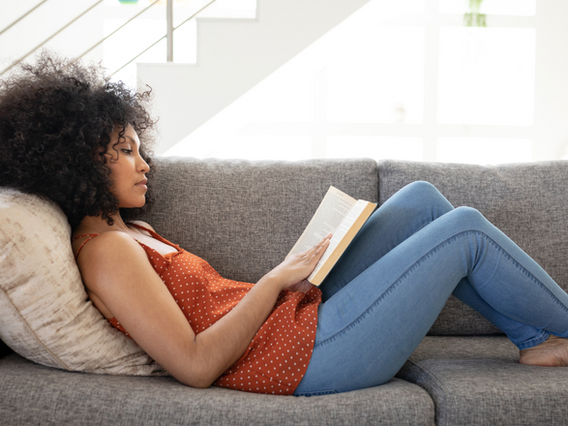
point(44, 312)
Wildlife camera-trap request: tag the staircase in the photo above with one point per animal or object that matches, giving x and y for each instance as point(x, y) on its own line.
point(232, 57)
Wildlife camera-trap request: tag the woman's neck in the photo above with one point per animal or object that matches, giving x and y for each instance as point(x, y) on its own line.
point(98, 224)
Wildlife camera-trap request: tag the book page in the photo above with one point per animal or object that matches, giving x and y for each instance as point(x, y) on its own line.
point(334, 207)
point(339, 233)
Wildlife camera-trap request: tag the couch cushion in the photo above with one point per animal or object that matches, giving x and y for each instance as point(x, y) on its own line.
point(244, 217)
point(477, 380)
point(465, 347)
point(33, 394)
point(495, 392)
point(528, 202)
point(44, 312)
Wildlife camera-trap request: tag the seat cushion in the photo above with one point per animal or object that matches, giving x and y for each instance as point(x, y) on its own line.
point(32, 394)
point(495, 392)
point(478, 381)
point(45, 314)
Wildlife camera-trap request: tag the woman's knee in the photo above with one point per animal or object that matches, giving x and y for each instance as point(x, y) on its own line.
point(422, 193)
point(469, 217)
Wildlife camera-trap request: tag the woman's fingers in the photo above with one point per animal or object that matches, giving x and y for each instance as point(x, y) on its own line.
point(319, 249)
point(299, 266)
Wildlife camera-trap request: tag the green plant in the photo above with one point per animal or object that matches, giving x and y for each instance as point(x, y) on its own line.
point(473, 18)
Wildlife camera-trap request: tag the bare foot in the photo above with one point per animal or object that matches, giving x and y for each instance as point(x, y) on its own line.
point(551, 353)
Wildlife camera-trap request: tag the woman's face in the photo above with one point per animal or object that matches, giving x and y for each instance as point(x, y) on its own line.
point(127, 168)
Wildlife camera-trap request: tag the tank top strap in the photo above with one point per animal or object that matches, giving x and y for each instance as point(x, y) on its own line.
point(91, 236)
point(143, 228)
point(155, 235)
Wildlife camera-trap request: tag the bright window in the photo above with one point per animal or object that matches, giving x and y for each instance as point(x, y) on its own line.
point(401, 80)
point(486, 76)
point(492, 7)
point(376, 147)
point(381, 80)
point(474, 150)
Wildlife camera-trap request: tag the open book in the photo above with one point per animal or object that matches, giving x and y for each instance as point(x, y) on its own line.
point(339, 214)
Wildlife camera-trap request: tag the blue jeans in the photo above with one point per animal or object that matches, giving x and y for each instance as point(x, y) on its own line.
point(390, 285)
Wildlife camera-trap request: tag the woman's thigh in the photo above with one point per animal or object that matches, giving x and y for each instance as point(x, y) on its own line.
point(369, 328)
point(402, 215)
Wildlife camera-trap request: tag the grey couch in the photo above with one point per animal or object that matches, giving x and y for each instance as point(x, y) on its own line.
point(243, 217)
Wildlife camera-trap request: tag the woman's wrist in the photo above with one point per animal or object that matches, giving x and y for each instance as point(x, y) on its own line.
point(273, 280)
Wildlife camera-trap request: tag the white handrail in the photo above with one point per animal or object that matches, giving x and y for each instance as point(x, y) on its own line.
point(170, 35)
point(22, 17)
point(16, 62)
point(119, 28)
point(163, 37)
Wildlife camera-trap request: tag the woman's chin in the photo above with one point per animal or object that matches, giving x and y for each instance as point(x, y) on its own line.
point(134, 205)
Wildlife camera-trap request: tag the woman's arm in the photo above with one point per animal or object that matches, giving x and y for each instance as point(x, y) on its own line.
point(116, 269)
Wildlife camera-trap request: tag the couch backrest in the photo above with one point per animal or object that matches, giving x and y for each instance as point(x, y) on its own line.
point(529, 202)
point(244, 217)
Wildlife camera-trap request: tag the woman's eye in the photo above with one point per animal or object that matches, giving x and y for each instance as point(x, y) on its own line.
point(127, 151)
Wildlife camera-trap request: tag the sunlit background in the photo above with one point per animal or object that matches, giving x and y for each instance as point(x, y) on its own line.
point(405, 79)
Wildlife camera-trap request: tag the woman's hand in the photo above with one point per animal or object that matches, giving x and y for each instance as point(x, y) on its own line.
point(296, 268)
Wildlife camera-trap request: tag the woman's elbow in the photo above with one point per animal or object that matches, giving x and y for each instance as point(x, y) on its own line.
point(196, 365)
point(199, 381)
point(196, 372)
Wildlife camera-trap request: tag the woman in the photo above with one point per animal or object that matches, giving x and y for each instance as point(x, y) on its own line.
point(68, 135)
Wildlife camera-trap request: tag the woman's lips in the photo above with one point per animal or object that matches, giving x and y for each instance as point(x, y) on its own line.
point(143, 183)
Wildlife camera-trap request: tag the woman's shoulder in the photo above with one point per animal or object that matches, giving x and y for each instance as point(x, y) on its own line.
point(104, 244)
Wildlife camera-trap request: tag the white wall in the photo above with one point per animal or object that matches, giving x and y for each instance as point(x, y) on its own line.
point(550, 131)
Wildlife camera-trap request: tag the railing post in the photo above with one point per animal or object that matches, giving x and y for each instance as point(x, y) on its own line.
point(170, 33)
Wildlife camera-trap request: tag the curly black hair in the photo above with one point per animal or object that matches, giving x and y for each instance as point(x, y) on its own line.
point(56, 116)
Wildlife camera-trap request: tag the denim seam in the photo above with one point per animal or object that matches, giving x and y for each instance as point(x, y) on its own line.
point(419, 261)
point(534, 341)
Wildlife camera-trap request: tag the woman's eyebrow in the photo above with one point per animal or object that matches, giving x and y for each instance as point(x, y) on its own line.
point(133, 141)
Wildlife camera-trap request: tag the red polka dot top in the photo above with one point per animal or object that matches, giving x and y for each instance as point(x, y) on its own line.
point(278, 355)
